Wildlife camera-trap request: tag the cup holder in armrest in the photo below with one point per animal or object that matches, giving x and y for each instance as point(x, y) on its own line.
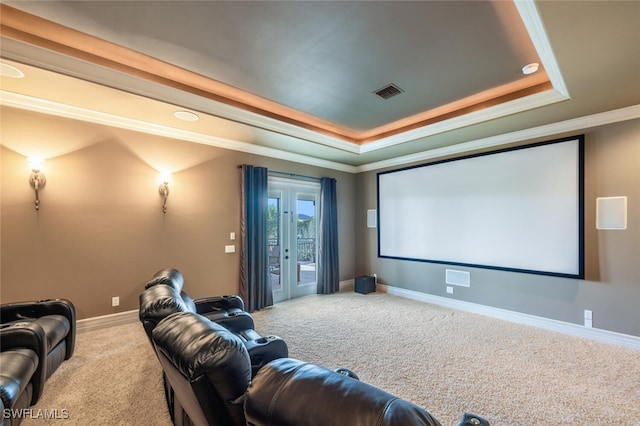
point(263, 350)
point(347, 372)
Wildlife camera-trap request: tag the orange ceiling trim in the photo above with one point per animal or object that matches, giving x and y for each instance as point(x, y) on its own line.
point(22, 26)
point(454, 110)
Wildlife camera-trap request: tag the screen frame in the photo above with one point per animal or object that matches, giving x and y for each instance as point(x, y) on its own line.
point(580, 211)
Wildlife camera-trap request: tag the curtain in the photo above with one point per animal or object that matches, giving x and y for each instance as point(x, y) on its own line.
point(328, 271)
point(255, 288)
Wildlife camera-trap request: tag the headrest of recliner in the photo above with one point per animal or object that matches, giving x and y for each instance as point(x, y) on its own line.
point(168, 276)
point(291, 392)
point(160, 301)
point(197, 346)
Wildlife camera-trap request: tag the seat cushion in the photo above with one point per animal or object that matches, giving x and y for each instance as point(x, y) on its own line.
point(16, 369)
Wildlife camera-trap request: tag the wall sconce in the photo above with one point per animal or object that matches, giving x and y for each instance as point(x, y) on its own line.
point(164, 190)
point(37, 180)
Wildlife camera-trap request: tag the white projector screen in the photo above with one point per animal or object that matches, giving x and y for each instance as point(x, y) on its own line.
point(518, 209)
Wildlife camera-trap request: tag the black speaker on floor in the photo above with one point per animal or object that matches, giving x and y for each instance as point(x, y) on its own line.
point(365, 284)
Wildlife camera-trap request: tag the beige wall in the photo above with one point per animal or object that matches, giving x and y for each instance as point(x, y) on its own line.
point(100, 231)
point(612, 285)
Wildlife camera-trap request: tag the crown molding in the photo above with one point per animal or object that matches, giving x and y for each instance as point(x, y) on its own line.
point(82, 114)
point(20, 101)
point(571, 125)
point(501, 110)
point(535, 27)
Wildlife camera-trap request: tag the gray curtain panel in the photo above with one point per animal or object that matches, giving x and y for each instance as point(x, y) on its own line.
point(255, 288)
point(328, 271)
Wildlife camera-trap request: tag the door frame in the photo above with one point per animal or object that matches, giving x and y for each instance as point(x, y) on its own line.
point(289, 191)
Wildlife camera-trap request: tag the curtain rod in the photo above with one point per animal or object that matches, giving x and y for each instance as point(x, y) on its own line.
point(276, 172)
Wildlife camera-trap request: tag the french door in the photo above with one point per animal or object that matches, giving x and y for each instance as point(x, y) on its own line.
point(292, 237)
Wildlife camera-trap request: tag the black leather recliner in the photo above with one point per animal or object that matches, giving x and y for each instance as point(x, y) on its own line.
point(52, 322)
point(289, 392)
point(35, 338)
point(20, 372)
point(163, 296)
point(227, 310)
point(206, 365)
point(209, 369)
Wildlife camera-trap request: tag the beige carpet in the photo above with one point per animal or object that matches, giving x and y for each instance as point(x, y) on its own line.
point(447, 361)
point(113, 378)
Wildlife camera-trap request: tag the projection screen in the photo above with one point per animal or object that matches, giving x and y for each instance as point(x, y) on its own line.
point(518, 209)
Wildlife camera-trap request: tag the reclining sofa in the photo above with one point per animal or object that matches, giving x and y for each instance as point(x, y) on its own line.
point(217, 372)
point(35, 338)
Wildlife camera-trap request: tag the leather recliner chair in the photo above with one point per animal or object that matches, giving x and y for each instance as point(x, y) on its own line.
point(164, 295)
point(20, 371)
point(210, 371)
point(48, 327)
point(206, 365)
point(226, 310)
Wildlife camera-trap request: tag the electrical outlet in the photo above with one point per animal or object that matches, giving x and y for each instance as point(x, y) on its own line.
point(588, 318)
point(449, 289)
point(115, 301)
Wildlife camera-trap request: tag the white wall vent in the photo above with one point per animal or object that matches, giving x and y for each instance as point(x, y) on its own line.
point(461, 278)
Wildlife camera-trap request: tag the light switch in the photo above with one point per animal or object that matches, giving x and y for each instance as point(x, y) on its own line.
point(230, 249)
point(232, 236)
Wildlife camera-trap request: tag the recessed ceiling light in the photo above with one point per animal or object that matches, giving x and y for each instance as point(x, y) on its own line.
point(530, 68)
point(186, 115)
point(7, 70)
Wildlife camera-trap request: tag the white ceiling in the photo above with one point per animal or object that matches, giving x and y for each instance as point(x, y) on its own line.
point(321, 61)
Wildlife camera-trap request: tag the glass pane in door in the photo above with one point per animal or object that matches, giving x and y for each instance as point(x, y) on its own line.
point(306, 239)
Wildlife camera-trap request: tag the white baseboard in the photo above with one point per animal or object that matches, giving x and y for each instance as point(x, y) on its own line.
point(599, 335)
point(104, 321)
point(128, 317)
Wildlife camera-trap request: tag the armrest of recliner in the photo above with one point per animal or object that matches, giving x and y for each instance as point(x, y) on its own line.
point(263, 350)
point(469, 419)
point(31, 336)
point(37, 309)
point(218, 303)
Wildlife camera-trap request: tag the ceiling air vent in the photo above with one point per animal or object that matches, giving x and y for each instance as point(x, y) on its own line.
point(388, 91)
